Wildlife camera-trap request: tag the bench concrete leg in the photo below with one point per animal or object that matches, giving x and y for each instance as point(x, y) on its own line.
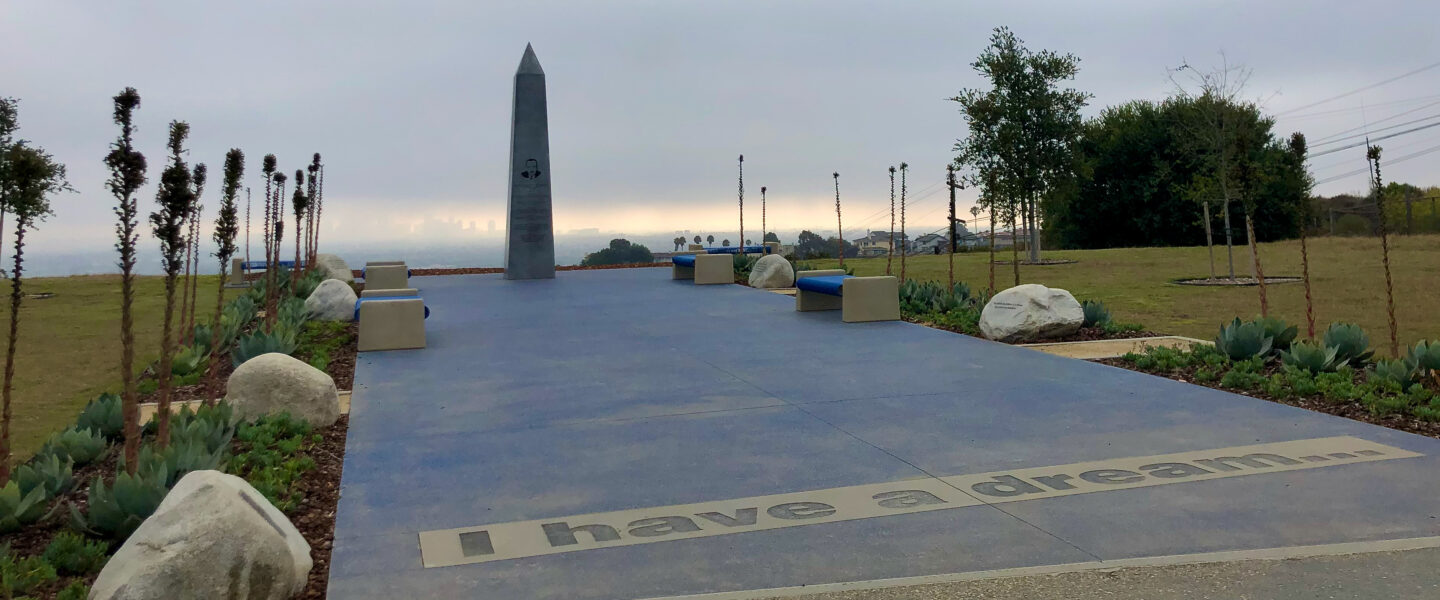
point(714, 268)
point(405, 292)
point(808, 301)
point(391, 325)
point(681, 272)
point(386, 277)
point(867, 299)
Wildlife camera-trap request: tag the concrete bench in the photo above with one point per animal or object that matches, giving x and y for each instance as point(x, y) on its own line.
point(260, 265)
point(705, 269)
point(768, 248)
point(386, 277)
point(859, 299)
point(394, 322)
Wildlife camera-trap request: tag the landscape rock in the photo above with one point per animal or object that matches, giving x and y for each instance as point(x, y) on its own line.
point(332, 300)
point(274, 383)
point(334, 267)
point(214, 536)
point(1031, 312)
point(772, 271)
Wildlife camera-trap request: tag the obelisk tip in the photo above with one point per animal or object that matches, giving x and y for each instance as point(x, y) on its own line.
point(529, 64)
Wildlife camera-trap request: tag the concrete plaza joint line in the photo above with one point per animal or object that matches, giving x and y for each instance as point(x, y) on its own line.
point(595, 436)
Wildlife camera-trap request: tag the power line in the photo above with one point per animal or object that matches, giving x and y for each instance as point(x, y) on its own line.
point(1360, 89)
point(1383, 137)
point(1387, 162)
point(1412, 122)
point(1368, 106)
point(1360, 127)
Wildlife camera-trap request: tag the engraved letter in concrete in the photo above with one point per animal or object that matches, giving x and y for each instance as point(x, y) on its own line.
point(529, 231)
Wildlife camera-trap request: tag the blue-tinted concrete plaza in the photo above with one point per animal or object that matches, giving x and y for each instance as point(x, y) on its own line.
point(613, 390)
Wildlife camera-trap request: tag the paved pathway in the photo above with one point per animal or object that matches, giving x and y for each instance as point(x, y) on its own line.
point(615, 434)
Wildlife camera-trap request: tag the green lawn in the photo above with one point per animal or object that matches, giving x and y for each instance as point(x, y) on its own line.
point(69, 348)
point(1347, 279)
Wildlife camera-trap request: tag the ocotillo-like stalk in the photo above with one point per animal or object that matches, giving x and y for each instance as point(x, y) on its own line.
point(763, 230)
point(890, 249)
point(904, 168)
point(950, 182)
point(742, 205)
point(1373, 154)
point(839, 228)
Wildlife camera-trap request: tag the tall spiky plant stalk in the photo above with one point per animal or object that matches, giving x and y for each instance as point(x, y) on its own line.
point(991, 218)
point(763, 230)
point(9, 122)
point(904, 247)
point(1298, 151)
point(950, 182)
point(127, 175)
point(890, 247)
point(1373, 154)
point(312, 191)
point(247, 223)
point(188, 321)
point(298, 202)
point(741, 243)
point(839, 229)
point(272, 296)
point(225, 229)
point(30, 176)
point(176, 200)
point(319, 206)
point(267, 170)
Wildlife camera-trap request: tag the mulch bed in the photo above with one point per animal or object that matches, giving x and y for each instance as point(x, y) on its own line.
point(1352, 410)
point(1236, 282)
point(1090, 334)
point(315, 518)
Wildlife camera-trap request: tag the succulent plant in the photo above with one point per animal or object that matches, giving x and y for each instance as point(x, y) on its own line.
point(80, 446)
point(115, 511)
point(250, 346)
point(1350, 342)
point(188, 359)
point(103, 416)
point(211, 427)
point(1426, 355)
point(18, 510)
point(1399, 371)
point(1095, 313)
point(1311, 357)
point(47, 472)
point(1281, 332)
point(1241, 341)
point(308, 283)
point(168, 465)
point(74, 554)
point(292, 313)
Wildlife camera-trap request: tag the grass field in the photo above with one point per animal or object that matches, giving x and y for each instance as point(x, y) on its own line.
point(69, 348)
point(1347, 281)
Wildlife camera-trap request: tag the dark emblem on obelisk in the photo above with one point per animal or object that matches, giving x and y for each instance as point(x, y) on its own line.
point(529, 226)
point(532, 169)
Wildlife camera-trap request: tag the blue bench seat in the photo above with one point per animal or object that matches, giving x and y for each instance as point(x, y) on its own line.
point(684, 260)
point(747, 249)
point(829, 284)
point(359, 300)
point(260, 264)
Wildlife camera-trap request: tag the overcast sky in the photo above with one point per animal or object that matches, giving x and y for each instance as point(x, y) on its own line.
point(651, 102)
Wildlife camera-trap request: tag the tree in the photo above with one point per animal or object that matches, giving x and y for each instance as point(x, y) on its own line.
point(710, 239)
point(301, 203)
point(809, 245)
point(127, 175)
point(697, 239)
point(725, 242)
point(1212, 125)
point(226, 228)
point(1031, 122)
point(678, 241)
point(619, 252)
point(176, 198)
point(267, 170)
point(1372, 154)
point(771, 237)
point(31, 177)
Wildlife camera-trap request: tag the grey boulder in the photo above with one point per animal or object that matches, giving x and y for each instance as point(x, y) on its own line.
point(274, 383)
point(214, 537)
point(772, 271)
point(1030, 312)
point(334, 267)
point(332, 300)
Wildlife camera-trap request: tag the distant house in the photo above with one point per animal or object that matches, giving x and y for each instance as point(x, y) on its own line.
point(877, 243)
point(931, 243)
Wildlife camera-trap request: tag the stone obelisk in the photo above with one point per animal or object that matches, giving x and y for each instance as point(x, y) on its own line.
point(529, 225)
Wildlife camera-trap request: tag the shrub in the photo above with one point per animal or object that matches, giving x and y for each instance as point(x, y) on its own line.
point(18, 510)
point(46, 472)
point(24, 575)
point(308, 283)
point(260, 342)
point(115, 511)
point(1351, 344)
point(73, 554)
point(80, 446)
point(77, 590)
point(269, 460)
point(1245, 375)
point(1311, 357)
point(1095, 313)
point(1242, 341)
point(103, 416)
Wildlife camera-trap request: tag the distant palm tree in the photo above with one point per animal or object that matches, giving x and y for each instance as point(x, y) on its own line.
point(725, 243)
point(710, 239)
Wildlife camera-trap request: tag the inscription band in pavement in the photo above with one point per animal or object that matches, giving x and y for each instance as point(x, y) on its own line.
point(520, 539)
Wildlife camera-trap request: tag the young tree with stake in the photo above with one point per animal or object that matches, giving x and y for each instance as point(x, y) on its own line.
point(224, 236)
point(176, 198)
point(31, 176)
point(127, 175)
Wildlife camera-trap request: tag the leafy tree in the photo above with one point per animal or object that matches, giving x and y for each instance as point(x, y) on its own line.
point(127, 175)
point(620, 252)
point(301, 203)
point(226, 228)
point(697, 239)
point(1029, 123)
point(678, 241)
point(771, 237)
point(725, 242)
point(710, 239)
point(31, 176)
point(176, 198)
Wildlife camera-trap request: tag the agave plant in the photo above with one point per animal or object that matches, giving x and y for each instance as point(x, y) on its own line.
point(308, 282)
point(116, 510)
point(1350, 342)
point(250, 346)
point(292, 313)
point(1311, 357)
point(211, 427)
point(1281, 332)
point(189, 359)
point(47, 472)
point(1241, 341)
point(241, 310)
point(1095, 313)
point(18, 510)
point(103, 416)
point(1426, 356)
point(80, 446)
point(1399, 371)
